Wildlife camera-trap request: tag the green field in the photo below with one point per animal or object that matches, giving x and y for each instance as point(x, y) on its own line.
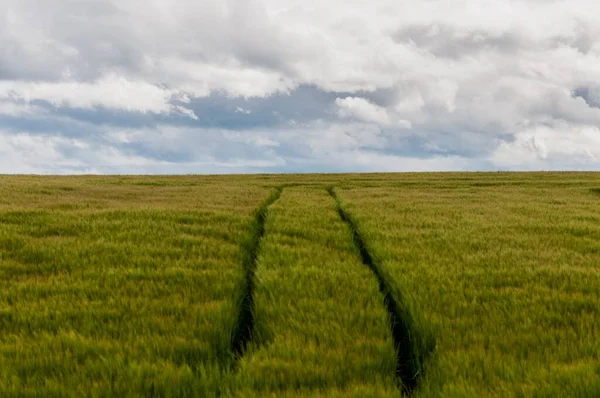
point(366, 285)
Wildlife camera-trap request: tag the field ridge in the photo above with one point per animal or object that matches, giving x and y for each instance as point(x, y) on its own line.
point(244, 322)
point(412, 348)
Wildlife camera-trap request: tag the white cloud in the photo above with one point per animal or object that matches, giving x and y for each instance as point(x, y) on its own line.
point(361, 109)
point(16, 109)
point(373, 161)
point(109, 92)
point(551, 147)
point(239, 109)
point(23, 153)
point(509, 82)
point(26, 154)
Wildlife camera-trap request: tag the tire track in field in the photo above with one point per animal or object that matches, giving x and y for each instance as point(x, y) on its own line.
point(244, 322)
point(412, 347)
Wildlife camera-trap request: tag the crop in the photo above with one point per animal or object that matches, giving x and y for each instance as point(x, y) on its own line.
point(320, 322)
point(365, 285)
point(504, 268)
point(118, 286)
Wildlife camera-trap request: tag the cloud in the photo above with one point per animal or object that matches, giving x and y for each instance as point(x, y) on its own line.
point(110, 92)
point(18, 109)
point(290, 85)
point(242, 110)
point(543, 147)
point(590, 94)
point(363, 110)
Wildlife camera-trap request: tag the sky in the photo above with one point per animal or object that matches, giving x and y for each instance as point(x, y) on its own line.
point(254, 86)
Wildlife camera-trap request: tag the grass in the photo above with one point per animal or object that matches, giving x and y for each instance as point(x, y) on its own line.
point(505, 269)
point(120, 290)
point(320, 322)
point(413, 342)
point(244, 325)
point(301, 285)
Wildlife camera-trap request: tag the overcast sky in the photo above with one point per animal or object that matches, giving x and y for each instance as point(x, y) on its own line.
point(230, 86)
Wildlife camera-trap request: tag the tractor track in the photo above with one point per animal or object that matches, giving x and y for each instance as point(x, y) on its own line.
point(412, 349)
point(244, 323)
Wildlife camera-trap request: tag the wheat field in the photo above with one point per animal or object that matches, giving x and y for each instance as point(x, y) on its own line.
point(364, 285)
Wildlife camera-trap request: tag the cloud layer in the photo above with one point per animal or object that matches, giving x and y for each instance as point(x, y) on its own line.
point(207, 86)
